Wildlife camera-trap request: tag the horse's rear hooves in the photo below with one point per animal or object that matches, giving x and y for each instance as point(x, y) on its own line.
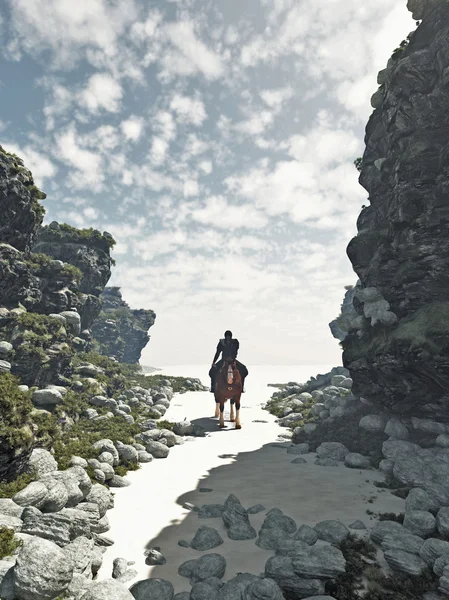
point(238, 426)
point(232, 420)
point(222, 426)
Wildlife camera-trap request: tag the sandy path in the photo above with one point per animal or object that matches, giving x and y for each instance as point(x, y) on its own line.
point(149, 512)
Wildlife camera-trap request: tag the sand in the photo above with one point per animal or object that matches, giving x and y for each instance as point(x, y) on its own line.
point(149, 512)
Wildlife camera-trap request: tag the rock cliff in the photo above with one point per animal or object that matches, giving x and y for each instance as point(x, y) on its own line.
point(119, 331)
point(20, 210)
point(398, 352)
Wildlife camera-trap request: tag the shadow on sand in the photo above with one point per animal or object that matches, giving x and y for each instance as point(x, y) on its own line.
point(306, 492)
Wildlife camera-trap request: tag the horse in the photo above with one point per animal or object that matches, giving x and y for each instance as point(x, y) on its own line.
point(228, 385)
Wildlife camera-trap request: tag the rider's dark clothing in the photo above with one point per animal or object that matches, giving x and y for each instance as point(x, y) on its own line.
point(228, 351)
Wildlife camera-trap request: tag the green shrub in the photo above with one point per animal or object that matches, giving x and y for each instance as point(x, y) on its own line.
point(346, 585)
point(87, 235)
point(358, 163)
point(10, 489)
point(8, 543)
point(72, 271)
point(15, 409)
point(165, 425)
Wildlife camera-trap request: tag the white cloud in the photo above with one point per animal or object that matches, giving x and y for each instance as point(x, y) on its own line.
point(88, 165)
point(206, 166)
point(75, 26)
point(188, 110)
point(132, 128)
point(194, 56)
point(218, 212)
point(276, 98)
point(102, 91)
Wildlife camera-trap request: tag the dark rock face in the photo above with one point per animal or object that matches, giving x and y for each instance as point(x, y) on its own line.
point(340, 326)
point(121, 332)
point(86, 249)
point(20, 212)
point(399, 355)
point(46, 287)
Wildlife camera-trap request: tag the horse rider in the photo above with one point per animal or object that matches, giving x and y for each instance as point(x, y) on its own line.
point(229, 347)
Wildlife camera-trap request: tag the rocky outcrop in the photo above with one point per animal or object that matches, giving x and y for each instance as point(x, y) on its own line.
point(344, 322)
point(119, 331)
point(21, 212)
point(86, 249)
point(398, 357)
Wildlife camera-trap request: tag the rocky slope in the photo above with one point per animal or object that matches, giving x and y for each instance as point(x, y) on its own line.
point(398, 352)
point(119, 331)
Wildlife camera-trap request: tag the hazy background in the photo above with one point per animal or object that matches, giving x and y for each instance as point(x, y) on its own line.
point(215, 141)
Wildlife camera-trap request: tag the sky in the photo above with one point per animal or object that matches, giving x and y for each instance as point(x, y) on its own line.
point(215, 141)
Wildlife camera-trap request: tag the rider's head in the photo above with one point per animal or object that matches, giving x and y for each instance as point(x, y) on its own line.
point(228, 334)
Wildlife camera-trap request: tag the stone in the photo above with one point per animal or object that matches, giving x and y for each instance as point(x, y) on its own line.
point(357, 461)
point(405, 542)
point(208, 565)
point(236, 587)
point(405, 562)
point(32, 495)
point(326, 462)
point(154, 557)
point(319, 562)
point(442, 521)
point(157, 450)
point(263, 589)
point(42, 571)
point(280, 569)
point(257, 508)
point(420, 522)
point(46, 397)
point(432, 549)
point(306, 534)
point(106, 445)
point(374, 423)
point(383, 528)
point(298, 449)
point(442, 440)
point(332, 450)
point(299, 461)
point(417, 499)
point(206, 538)
point(357, 525)
point(396, 429)
point(331, 531)
point(108, 589)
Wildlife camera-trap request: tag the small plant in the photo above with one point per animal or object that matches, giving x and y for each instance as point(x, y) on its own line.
point(8, 490)
point(165, 425)
point(8, 543)
point(358, 164)
point(399, 517)
point(15, 409)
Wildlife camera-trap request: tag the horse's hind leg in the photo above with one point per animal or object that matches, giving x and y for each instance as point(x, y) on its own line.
point(217, 407)
point(237, 417)
point(232, 417)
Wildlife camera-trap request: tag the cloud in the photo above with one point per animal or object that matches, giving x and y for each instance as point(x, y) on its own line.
point(132, 128)
point(223, 215)
point(193, 55)
point(75, 26)
point(87, 165)
point(188, 110)
point(102, 92)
